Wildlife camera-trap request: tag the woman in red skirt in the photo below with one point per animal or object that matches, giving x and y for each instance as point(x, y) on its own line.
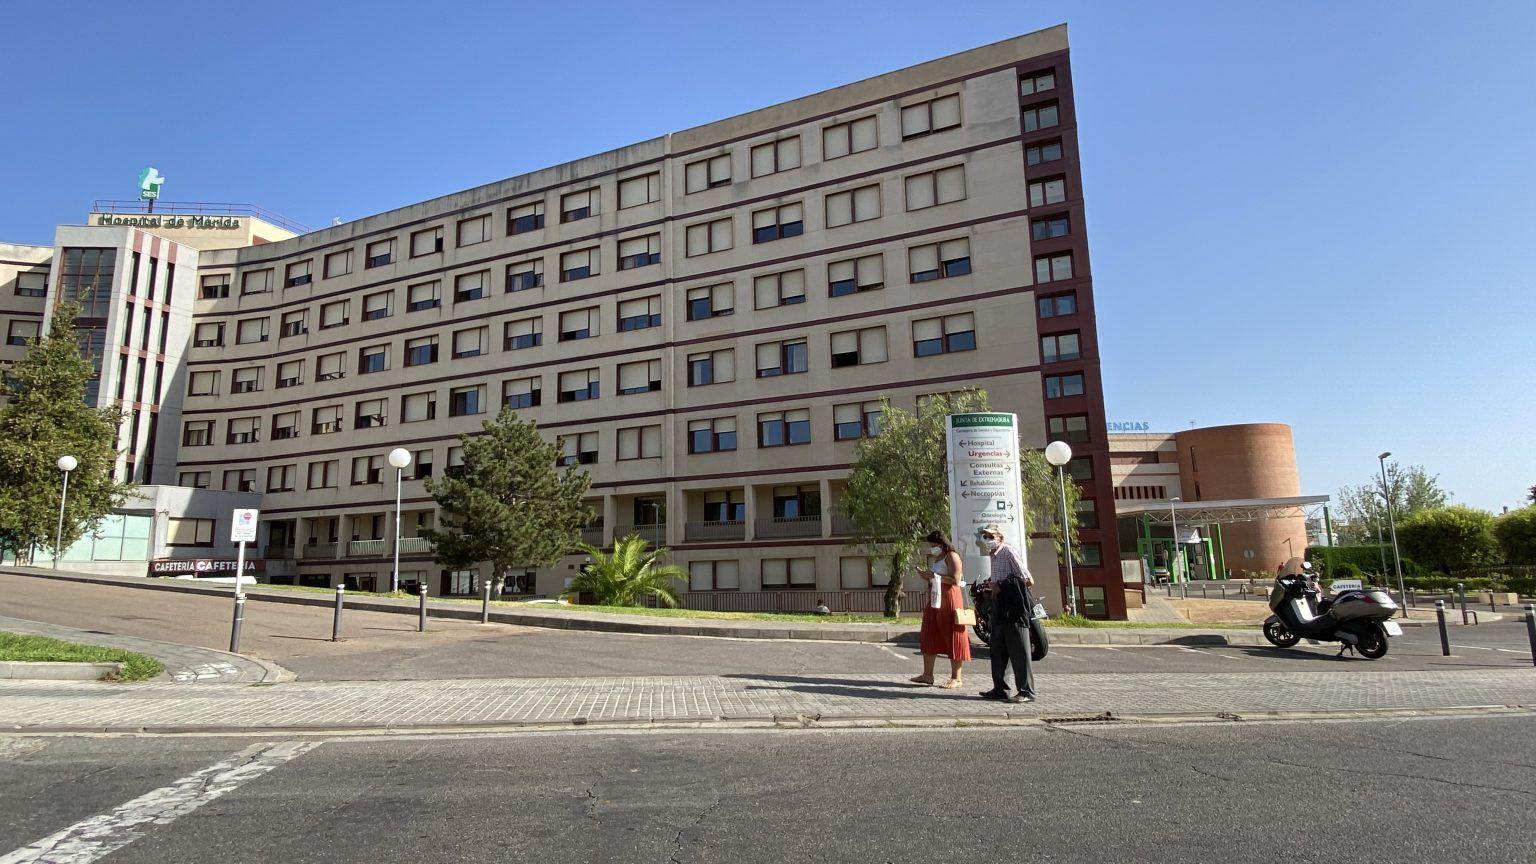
point(941, 633)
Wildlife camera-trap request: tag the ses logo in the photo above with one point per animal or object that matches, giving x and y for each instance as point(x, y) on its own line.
point(1130, 426)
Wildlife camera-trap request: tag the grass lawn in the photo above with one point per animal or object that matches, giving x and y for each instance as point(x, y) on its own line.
point(39, 649)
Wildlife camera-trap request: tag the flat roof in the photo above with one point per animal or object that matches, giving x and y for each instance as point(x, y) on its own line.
point(1231, 510)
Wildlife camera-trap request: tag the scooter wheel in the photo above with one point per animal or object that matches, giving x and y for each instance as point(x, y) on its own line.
point(1372, 644)
point(1278, 636)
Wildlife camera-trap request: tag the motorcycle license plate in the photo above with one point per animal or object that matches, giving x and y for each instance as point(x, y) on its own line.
point(1393, 628)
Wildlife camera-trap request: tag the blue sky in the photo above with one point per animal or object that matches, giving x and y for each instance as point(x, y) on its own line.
point(1318, 213)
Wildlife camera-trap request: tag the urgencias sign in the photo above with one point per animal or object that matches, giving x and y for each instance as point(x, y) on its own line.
point(203, 223)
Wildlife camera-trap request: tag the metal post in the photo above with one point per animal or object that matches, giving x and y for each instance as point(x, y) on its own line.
point(1445, 638)
point(1530, 629)
point(1173, 559)
point(1461, 593)
point(1066, 541)
point(421, 618)
point(1493, 600)
point(341, 591)
point(234, 629)
point(58, 537)
point(1397, 556)
point(394, 579)
point(485, 603)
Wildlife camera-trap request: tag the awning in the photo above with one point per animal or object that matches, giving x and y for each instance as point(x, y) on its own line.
point(1234, 510)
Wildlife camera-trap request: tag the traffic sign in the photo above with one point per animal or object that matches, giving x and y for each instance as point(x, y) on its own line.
point(243, 526)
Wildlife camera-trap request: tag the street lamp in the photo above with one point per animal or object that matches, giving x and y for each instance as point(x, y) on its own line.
point(1059, 453)
point(399, 458)
point(66, 464)
point(1397, 557)
point(1173, 557)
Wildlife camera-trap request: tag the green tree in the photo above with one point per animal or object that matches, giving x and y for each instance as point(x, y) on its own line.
point(898, 490)
point(1516, 533)
point(510, 505)
point(43, 417)
point(631, 573)
point(1450, 538)
point(1360, 509)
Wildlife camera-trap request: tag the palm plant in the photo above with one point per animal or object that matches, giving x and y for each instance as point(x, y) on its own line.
point(628, 575)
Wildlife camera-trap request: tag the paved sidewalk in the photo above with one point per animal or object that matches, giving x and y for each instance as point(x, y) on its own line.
point(184, 664)
point(60, 706)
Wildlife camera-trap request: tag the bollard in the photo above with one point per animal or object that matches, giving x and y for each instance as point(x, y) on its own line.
point(1493, 601)
point(234, 629)
point(1530, 629)
point(1445, 638)
point(1461, 593)
point(421, 619)
point(1202, 591)
point(1184, 589)
point(1170, 585)
point(485, 604)
point(341, 591)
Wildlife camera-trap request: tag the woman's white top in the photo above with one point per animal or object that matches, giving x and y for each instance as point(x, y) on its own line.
point(940, 569)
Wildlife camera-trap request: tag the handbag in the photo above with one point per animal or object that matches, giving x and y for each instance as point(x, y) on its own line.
point(965, 617)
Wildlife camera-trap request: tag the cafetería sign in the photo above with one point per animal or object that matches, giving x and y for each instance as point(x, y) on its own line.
point(205, 223)
point(203, 567)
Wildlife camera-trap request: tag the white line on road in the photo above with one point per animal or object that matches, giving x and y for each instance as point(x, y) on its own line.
point(93, 838)
point(893, 652)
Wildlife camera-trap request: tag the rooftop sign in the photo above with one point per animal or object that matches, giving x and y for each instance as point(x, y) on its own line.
point(205, 223)
point(150, 180)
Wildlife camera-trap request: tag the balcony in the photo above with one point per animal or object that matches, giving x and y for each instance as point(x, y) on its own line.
point(788, 526)
point(366, 548)
point(318, 550)
point(592, 535)
point(732, 529)
point(278, 552)
point(656, 535)
point(415, 546)
point(842, 526)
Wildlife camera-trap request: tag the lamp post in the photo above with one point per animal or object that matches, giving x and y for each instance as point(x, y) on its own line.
point(1173, 557)
point(399, 458)
point(66, 464)
point(1059, 453)
point(1397, 557)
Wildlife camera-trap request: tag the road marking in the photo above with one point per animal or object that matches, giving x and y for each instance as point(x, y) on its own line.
point(1474, 647)
point(1510, 651)
point(886, 648)
point(98, 836)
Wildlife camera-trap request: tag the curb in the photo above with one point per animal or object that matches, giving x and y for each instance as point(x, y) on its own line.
point(56, 670)
point(868, 633)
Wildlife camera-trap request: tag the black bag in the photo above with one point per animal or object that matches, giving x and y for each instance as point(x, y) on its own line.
point(1039, 645)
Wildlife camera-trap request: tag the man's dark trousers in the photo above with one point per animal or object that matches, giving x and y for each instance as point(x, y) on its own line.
point(1010, 644)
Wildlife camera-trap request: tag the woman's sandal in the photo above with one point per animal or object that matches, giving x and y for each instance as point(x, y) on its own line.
point(952, 684)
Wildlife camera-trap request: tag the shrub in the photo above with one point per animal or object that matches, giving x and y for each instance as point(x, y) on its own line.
point(1450, 538)
point(1516, 533)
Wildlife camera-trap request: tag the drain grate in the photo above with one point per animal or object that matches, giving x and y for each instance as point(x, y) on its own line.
point(1106, 717)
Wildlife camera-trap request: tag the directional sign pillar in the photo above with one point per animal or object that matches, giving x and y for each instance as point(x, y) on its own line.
point(984, 485)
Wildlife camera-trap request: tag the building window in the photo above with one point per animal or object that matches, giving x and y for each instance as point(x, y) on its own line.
point(189, 532)
point(1087, 513)
point(290, 374)
point(416, 407)
point(784, 428)
point(725, 506)
point(472, 286)
point(421, 351)
point(1045, 229)
point(1060, 386)
point(371, 413)
point(716, 435)
point(1052, 191)
point(935, 115)
point(640, 442)
point(212, 287)
point(335, 314)
point(712, 367)
point(380, 252)
point(641, 377)
point(464, 401)
point(421, 465)
point(470, 343)
point(1057, 347)
point(1048, 151)
point(1041, 117)
point(422, 296)
point(635, 191)
point(933, 188)
point(525, 275)
point(522, 333)
point(247, 380)
point(1056, 305)
point(578, 449)
point(367, 470)
point(207, 383)
point(1037, 83)
point(326, 420)
point(639, 251)
point(776, 223)
point(378, 306)
point(197, 433)
point(33, 284)
point(251, 330)
point(939, 260)
point(855, 420)
point(1053, 268)
point(776, 156)
point(208, 335)
point(854, 205)
point(329, 367)
point(782, 358)
point(579, 324)
point(714, 575)
point(707, 173)
point(280, 478)
point(520, 393)
point(640, 313)
point(338, 263)
point(945, 335)
point(779, 289)
point(579, 385)
point(1080, 468)
point(853, 136)
point(858, 347)
point(525, 217)
point(426, 241)
point(475, 229)
point(297, 274)
point(855, 274)
point(575, 206)
point(707, 237)
point(1069, 428)
point(374, 358)
point(711, 301)
point(22, 332)
point(580, 264)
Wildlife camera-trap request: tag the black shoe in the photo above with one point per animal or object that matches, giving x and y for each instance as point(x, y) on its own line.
point(994, 694)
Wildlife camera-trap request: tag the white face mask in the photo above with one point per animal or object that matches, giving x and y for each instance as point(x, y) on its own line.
point(988, 544)
point(935, 551)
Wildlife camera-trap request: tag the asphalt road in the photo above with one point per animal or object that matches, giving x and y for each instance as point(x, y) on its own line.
point(381, 646)
point(1457, 789)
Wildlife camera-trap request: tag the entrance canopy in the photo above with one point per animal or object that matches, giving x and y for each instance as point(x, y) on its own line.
point(1234, 510)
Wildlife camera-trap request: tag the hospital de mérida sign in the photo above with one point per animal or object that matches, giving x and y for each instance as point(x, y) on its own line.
point(207, 223)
